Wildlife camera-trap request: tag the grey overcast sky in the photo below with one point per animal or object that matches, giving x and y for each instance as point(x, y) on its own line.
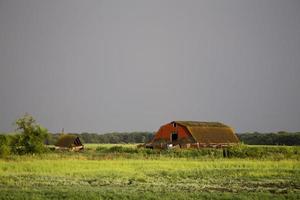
point(126, 65)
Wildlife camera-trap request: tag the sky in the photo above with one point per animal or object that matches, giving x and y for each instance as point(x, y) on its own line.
point(115, 65)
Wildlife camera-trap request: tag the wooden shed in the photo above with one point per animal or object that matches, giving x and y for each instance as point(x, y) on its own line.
point(69, 142)
point(185, 134)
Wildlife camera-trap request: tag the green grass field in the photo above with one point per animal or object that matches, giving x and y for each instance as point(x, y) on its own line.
point(90, 175)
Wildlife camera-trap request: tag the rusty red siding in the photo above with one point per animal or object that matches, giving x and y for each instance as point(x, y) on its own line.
point(166, 131)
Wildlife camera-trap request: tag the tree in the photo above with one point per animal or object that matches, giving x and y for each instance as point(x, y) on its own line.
point(31, 138)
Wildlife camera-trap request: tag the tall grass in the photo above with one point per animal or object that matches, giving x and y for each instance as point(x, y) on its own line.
point(165, 177)
point(105, 172)
point(238, 151)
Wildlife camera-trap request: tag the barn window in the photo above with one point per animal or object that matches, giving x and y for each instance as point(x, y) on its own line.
point(174, 124)
point(174, 136)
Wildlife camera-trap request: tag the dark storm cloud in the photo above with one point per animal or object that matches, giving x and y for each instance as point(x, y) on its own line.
point(133, 65)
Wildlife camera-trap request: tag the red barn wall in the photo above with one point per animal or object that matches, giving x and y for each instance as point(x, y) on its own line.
point(165, 132)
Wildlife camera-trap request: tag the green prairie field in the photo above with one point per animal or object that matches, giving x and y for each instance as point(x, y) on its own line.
point(124, 172)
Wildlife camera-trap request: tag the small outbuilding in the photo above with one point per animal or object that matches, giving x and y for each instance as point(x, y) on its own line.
point(69, 142)
point(185, 134)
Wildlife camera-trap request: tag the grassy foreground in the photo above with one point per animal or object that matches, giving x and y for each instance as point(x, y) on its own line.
point(69, 176)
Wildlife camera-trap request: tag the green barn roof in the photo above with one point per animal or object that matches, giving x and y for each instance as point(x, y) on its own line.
point(68, 141)
point(209, 132)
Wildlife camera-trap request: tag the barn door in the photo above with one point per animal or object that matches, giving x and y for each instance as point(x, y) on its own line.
point(174, 136)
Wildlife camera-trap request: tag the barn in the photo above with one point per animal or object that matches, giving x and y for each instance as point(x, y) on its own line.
point(69, 142)
point(187, 134)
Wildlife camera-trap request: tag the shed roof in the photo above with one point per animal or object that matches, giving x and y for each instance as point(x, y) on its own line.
point(68, 141)
point(210, 132)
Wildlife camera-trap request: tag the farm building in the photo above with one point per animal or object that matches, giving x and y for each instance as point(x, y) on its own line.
point(187, 134)
point(69, 142)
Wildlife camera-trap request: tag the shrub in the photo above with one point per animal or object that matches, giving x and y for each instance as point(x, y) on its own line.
point(237, 151)
point(258, 152)
point(4, 147)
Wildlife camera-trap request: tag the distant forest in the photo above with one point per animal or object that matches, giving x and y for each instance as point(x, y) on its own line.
point(111, 138)
point(280, 138)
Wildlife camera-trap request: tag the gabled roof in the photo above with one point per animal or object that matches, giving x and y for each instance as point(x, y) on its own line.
point(68, 141)
point(201, 124)
point(209, 132)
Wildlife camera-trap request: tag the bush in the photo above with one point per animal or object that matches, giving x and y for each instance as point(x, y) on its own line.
point(117, 149)
point(174, 153)
point(238, 151)
point(258, 152)
point(4, 147)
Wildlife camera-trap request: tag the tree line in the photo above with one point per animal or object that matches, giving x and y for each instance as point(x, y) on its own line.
point(256, 138)
point(31, 137)
point(280, 138)
point(110, 138)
